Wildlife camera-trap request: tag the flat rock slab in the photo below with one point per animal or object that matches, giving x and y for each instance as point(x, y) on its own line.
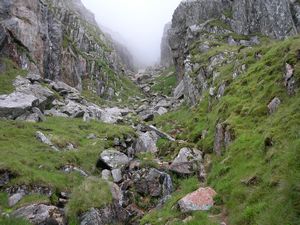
point(200, 200)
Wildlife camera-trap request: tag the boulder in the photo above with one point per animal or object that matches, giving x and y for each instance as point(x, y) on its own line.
point(16, 104)
point(43, 94)
point(187, 162)
point(146, 142)
point(113, 159)
point(34, 116)
point(117, 175)
point(14, 199)
point(41, 214)
point(202, 199)
point(273, 105)
point(106, 175)
point(154, 183)
point(113, 214)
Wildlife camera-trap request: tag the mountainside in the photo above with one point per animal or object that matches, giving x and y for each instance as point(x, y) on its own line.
point(61, 41)
point(210, 137)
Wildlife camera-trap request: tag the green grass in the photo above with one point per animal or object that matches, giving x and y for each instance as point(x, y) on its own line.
point(35, 163)
point(274, 198)
point(170, 213)
point(9, 74)
point(166, 82)
point(92, 193)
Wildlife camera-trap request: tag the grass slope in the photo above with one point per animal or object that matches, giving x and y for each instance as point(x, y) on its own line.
point(273, 199)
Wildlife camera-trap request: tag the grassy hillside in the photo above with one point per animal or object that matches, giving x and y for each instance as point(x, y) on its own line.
point(258, 176)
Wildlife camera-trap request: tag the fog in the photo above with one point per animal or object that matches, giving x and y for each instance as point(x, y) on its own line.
point(137, 23)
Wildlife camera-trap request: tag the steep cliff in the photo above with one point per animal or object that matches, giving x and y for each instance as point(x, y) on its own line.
point(62, 41)
point(208, 22)
point(166, 58)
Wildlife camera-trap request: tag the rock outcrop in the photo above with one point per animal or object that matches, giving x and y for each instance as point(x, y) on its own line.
point(166, 58)
point(209, 21)
point(62, 41)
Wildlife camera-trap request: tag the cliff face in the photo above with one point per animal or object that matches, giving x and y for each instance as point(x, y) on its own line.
point(60, 40)
point(203, 24)
point(166, 54)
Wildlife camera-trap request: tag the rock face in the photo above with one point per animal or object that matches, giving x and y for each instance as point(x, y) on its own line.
point(51, 33)
point(202, 199)
point(207, 20)
point(166, 54)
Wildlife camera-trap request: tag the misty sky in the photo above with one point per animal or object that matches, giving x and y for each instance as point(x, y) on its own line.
point(140, 23)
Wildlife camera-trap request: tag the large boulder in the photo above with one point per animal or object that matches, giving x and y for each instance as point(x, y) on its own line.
point(112, 159)
point(187, 162)
point(41, 214)
point(146, 142)
point(202, 199)
point(16, 104)
point(43, 94)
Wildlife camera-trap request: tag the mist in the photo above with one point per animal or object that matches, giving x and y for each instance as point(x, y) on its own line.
point(137, 24)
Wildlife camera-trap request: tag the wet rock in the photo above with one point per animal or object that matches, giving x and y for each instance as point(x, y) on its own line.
point(202, 199)
point(41, 214)
point(146, 142)
point(113, 159)
point(187, 162)
point(16, 104)
point(273, 105)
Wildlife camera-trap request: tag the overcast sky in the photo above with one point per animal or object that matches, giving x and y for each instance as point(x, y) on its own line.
point(139, 22)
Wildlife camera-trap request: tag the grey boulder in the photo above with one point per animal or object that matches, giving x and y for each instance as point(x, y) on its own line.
point(188, 161)
point(114, 159)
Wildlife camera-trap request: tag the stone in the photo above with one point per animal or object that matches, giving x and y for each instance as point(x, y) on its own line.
point(34, 116)
point(187, 162)
point(114, 159)
point(146, 142)
point(55, 113)
point(117, 175)
point(162, 111)
point(106, 175)
point(289, 79)
point(200, 200)
point(42, 138)
point(71, 168)
point(112, 214)
point(16, 104)
point(43, 94)
point(159, 133)
point(91, 136)
point(179, 90)
point(14, 199)
point(273, 105)
point(41, 214)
